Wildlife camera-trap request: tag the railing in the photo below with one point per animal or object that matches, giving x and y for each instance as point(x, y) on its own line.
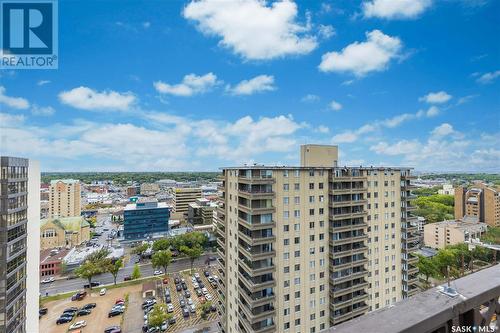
point(472, 308)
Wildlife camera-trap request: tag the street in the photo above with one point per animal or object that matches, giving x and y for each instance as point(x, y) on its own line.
point(63, 286)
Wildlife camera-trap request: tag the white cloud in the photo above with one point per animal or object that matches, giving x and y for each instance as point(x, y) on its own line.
point(88, 99)
point(402, 147)
point(323, 129)
point(257, 84)
point(326, 31)
point(42, 111)
point(43, 82)
point(439, 97)
point(11, 120)
point(253, 29)
point(191, 84)
point(465, 99)
point(432, 111)
point(13, 102)
point(395, 9)
point(397, 120)
point(442, 130)
point(488, 78)
point(335, 106)
point(309, 98)
point(361, 58)
point(345, 137)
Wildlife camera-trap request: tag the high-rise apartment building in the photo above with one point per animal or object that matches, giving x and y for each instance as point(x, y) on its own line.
point(298, 251)
point(64, 198)
point(20, 245)
point(479, 200)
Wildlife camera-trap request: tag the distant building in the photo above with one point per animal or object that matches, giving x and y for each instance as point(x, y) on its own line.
point(481, 201)
point(132, 191)
point(149, 189)
point(420, 223)
point(447, 189)
point(441, 234)
point(147, 218)
point(63, 232)
point(201, 213)
point(183, 197)
point(65, 198)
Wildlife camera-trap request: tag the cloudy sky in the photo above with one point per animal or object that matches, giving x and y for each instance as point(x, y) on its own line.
point(196, 85)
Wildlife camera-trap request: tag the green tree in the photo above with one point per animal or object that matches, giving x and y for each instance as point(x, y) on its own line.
point(157, 315)
point(162, 259)
point(192, 253)
point(161, 244)
point(114, 268)
point(444, 260)
point(427, 267)
point(87, 271)
point(205, 309)
point(140, 249)
point(136, 273)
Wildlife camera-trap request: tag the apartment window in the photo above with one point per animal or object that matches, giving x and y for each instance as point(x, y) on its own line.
point(311, 212)
point(286, 241)
point(297, 173)
point(286, 297)
point(320, 186)
point(296, 281)
point(296, 213)
point(296, 200)
point(311, 198)
point(321, 211)
point(297, 254)
point(311, 225)
point(312, 264)
point(286, 256)
point(321, 249)
point(286, 326)
point(312, 277)
point(311, 238)
point(386, 183)
point(297, 294)
point(297, 186)
point(375, 194)
point(286, 200)
point(297, 240)
point(286, 269)
point(375, 183)
point(311, 173)
point(312, 290)
point(296, 227)
point(322, 313)
point(285, 173)
point(286, 228)
point(286, 283)
point(322, 262)
point(321, 198)
point(286, 312)
point(297, 308)
point(286, 214)
point(297, 322)
point(286, 187)
point(311, 186)
point(321, 224)
point(321, 236)
point(321, 275)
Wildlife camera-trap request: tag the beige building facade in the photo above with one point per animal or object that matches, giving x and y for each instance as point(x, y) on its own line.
point(480, 201)
point(64, 198)
point(298, 252)
point(182, 198)
point(441, 234)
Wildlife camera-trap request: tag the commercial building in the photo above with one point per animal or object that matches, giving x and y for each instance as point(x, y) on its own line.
point(149, 189)
point(441, 234)
point(51, 261)
point(65, 198)
point(182, 198)
point(145, 219)
point(304, 248)
point(20, 246)
point(201, 213)
point(63, 232)
point(479, 200)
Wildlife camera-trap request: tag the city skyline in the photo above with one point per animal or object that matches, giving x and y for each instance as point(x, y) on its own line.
point(186, 86)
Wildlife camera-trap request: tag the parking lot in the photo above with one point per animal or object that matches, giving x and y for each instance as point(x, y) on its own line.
point(182, 322)
point(97, 321)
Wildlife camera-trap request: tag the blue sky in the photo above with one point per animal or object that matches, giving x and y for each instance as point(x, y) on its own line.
point(196, 85)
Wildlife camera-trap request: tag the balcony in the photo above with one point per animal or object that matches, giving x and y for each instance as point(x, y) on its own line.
point(256, 315)
point(254, 300)
point(348, 277)
point(254, 269)
point(348, 227)
point(256, 209)
point(256, 328)
point(348, 203)
point(256, 254)
point(347, 178)
point(254, 194)
point(256, 180)
point(347, 290)
point(412, 270)
point(336, 267)
point(256, 225)
point(254, 285)
point(347, 240)
point(337, 319)
point(345, 215)
point(346, 252)
point(256, 239)
point(349, 190)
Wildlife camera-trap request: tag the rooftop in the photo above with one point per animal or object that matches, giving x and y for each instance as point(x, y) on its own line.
point(462, 225)
point(50, 255)
point(291, 167)
point(74, 223)
point(66, 181)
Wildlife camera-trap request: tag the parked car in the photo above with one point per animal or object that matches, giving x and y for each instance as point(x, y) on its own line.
point(185, 312)
point(196, 275)
point(153, 330)
point(198, 292)
point(93, 284)
point(89, 306)
point(204, 291)
point(172, 320)
point(64, 320)
point(78, 324)
point(71, 309)
point(177, 280)
point(190, 301)
point(210, 279)
point(178, 287)
point(216, 278)
point(102, 292)
point(198, 279)
point(43, 311)
point(196, 285)
point(83, 313)
point(214, 285)
point(158, 272)
point(208, 297)
point(207, 273)
point(127, 278)
point(79, 296)
point(119, 300)
point(168, 299)
point(192, 308)
point(115, 312)
point(118, 307)
point(201, 285)
point(112, 329)
point(182, 303)
point(213, 308)
point(187, 294)
point(170, 308)
point(148, 302)
point(212, 258)
point(48, 280)
point(184, 285)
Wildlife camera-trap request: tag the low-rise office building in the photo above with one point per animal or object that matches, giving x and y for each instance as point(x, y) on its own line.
point(441, 234)
point(145, 219)
point(63, 232)
point(201, 213)
point(182, 198)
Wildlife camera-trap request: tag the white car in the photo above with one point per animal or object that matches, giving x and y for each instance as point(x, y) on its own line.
point(157, 273)
point(192, 308)
point(193, 279)
point(196, 275)
point(196, 285)
point(208, 297)
point(170, 308)
point(204, 291)
point(78, 324)
point(102, 292)
point(190, 301)
point(210, 279)
point(48, 280)
point(216, 278)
